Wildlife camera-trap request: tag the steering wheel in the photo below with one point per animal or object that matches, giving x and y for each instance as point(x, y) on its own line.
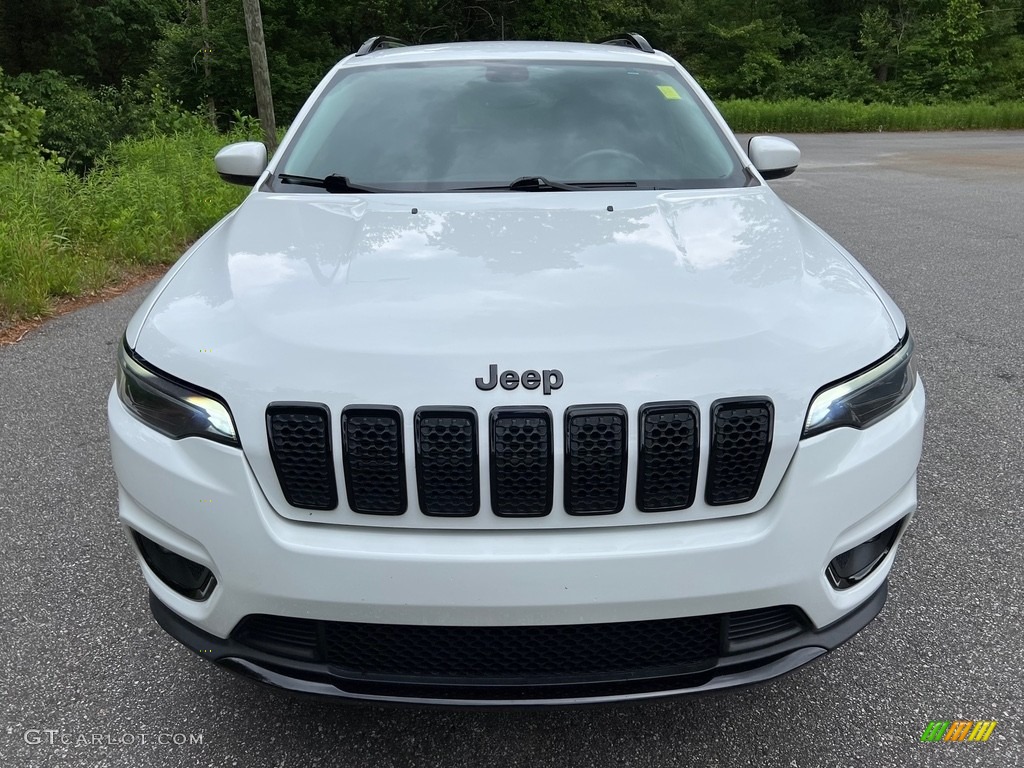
point(603, 157)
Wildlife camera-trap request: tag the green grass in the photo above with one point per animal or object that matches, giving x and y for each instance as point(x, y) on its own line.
point(807, 116)
point(61, 235)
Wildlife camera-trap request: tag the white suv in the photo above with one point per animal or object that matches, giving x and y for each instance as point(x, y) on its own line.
point(512, 381)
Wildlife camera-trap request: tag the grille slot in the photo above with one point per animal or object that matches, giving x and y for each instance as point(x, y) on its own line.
point(764, 626)
point(291, 638)
point(669, 437)
point(522, 463)
point(740, 441)
point(447, 469)
point(595, 459)
point(374, 460)
point(300, 447)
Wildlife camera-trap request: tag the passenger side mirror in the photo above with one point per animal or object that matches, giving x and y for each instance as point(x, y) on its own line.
point(773, 157)
point(241, 163)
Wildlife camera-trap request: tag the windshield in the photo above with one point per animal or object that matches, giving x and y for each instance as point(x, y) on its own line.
point(481, 124)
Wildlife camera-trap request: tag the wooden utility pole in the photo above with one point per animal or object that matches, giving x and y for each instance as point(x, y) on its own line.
point(260, 72)
point(211, 108)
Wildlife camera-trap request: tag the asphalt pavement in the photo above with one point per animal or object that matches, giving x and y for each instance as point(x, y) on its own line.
point(87, 678)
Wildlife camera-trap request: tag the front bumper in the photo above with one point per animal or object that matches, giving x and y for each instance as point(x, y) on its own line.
point(321, 680)
point(201, 500)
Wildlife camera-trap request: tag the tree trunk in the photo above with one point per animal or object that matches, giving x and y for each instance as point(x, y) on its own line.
point(211, 108)
point(260, 72)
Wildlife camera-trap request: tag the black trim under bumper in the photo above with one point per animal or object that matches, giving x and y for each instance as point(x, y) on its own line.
point(317, 679)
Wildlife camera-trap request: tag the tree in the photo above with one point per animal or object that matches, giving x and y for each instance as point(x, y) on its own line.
point(959, 33)
point(260, 71)
point(100, 41)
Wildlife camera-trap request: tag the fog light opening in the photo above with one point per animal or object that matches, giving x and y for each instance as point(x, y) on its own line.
point(184, 576)
point(854, 565)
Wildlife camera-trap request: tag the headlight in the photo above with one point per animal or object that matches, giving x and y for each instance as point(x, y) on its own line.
point(169, 406)
point(864, 398)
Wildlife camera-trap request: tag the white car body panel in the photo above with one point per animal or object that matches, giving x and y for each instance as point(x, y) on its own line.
point(371, 574)
point(344, 298)
point(405, 299)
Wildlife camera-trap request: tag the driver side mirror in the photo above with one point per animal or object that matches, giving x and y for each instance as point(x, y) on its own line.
point(773, 157)
point(241, 163)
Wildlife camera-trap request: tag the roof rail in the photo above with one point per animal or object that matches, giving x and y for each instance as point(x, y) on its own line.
point(629, 40)
point(379, 43)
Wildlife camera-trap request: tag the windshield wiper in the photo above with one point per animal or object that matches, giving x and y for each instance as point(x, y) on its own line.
point(539, 184)
point(524, 184)
point(335, 184)
point(606, 184)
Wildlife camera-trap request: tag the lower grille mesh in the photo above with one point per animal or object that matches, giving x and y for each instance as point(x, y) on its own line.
point(522, 651)
point(529, 653)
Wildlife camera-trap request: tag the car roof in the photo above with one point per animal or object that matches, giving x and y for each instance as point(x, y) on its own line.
point(510, 50)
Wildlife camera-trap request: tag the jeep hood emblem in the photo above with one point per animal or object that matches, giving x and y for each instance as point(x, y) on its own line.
point(548, 380)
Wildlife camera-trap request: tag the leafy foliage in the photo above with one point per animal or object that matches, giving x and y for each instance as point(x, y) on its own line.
point(81, 123)
point(99, 41)
point(19, 125)
point(895, 51)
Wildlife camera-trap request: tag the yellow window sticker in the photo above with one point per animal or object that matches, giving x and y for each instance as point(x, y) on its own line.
point(669, 92)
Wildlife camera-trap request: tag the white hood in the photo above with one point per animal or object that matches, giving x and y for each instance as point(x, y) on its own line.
point(671, 296)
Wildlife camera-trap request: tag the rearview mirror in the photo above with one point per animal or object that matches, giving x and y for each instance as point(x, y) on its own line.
point(241, 163)
point(773, 157)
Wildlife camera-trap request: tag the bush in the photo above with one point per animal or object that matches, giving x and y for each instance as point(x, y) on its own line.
point(77, 126)
point(830, 74)
point(80, 124)
point(19, 126)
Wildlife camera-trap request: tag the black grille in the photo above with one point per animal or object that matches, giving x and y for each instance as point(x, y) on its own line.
point(595, 459)
point(669, 439)
point(521, 441)
point(374, 460)
point(447, 472)
point(531, 653)
point(740, 440)
point(300, 446)
point(754, 629)
point(466, 653)
point(521, 462)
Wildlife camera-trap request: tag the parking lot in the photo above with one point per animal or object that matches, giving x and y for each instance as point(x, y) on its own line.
point(937, 218)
